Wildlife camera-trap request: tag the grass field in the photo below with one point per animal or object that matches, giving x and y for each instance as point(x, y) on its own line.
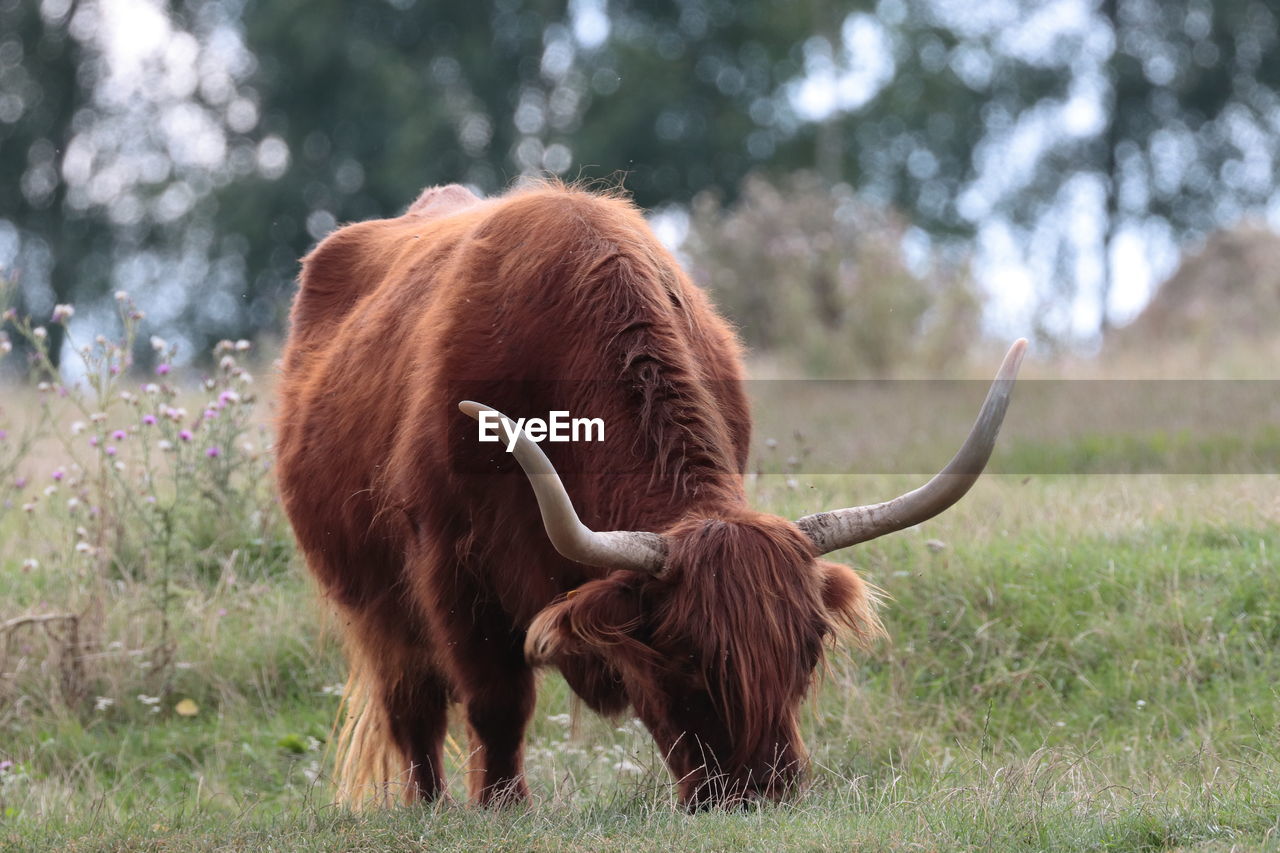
point(1076, 662)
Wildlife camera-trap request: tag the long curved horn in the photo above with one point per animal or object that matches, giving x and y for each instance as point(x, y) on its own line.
point(840, 528)
point(615, 549)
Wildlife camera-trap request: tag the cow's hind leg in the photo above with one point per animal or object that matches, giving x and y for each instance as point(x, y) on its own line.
point(397, 703)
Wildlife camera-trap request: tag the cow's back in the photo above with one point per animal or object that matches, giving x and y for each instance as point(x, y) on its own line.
point(546, 298)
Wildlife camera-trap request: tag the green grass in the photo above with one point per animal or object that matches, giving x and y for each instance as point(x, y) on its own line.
point(1086, 663)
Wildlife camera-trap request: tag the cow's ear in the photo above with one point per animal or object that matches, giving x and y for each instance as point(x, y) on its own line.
point(850, 602)
point(600, 617)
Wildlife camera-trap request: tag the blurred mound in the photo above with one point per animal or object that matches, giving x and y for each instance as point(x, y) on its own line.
point(1227, 294)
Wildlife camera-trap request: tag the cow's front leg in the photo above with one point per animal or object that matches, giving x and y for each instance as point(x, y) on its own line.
point(496, 688)
point(496, 718)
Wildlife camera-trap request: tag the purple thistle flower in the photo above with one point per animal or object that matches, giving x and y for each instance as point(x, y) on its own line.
point(213, 452)
point(185, 435)
point(163, 369)
point(58, 474)
point(111, 451)
point(20, 483)
point(4, 434)
point(93, 441)
point(149, 420)
point(119, 435)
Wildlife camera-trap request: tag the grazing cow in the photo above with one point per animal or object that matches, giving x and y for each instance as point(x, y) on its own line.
point(642, 575)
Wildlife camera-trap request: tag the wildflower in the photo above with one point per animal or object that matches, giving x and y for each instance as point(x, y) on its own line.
point(163, 368)
point(4, 434)
point(228, 398)
point(49, 490)
point(149, 420)
point(187, 708)
point(93, 441)
point(227, 362)
point(164, 444)
point(119, 435)
point(58, 474)
point(84, 548)
point(111, 450)
point(102, 703)
point(210, 413)
point(44, 387)
point(158, 343)
point(151, 388)
point(148, 700)
point(62, 313)
point(77, 427)
point(29, 508)
point(6, 766)
point(73, 504)
point(243, 345)
point(20, 483)
point(129, 397)
point(213, 452)
point(5, 346)
point(30, 564)
point(122, 296)
point(1142, 703)
point(245, 377)
point(39, 333)
point(10, 314)
point(185, 434)
point(98, 417)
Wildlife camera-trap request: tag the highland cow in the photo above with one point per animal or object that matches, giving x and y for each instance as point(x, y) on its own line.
point(638, 571)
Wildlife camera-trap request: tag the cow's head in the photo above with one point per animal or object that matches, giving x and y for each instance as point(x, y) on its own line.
point(716, 626)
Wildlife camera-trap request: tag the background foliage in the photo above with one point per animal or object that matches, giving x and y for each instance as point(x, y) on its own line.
point(192, 151)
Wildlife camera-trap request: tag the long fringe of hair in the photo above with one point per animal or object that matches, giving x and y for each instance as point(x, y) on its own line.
point(369, 770)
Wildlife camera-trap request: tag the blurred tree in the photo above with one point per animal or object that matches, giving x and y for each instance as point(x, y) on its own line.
point(1147, 118)
point(204, 159)
point(39, 95)
point(1191, 134)
point(819, 277)
point(364, 104)
point(114, 123)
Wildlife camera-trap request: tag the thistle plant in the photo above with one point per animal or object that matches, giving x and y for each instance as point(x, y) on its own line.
point(131, 483)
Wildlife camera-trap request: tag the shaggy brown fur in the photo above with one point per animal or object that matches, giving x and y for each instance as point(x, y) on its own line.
point(430, 543)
